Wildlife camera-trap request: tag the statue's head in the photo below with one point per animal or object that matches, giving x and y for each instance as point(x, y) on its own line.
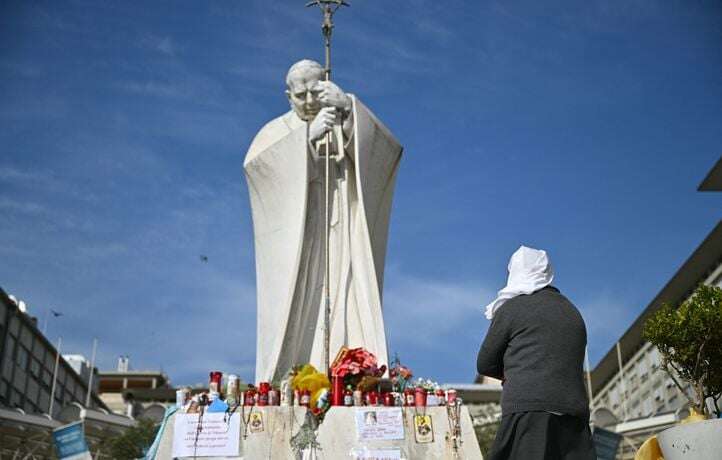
point(302, 88)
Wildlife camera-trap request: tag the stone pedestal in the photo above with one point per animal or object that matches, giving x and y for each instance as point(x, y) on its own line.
point(338, 438)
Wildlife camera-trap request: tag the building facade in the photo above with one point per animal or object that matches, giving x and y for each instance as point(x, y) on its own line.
point(136, 394)
point(27, 363)
point(632, 395)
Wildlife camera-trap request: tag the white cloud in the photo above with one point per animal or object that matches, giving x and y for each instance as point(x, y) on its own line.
point(606, 318)
point(10, 174)
point(422, 311)
point(21, 207)
point(164, 45)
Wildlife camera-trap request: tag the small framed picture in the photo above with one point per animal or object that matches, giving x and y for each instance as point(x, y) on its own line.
point(256, 422)
point(423, 429)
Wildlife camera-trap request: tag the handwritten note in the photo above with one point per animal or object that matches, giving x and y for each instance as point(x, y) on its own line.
point(379, 423)
point(376, 454)
point(213, 435)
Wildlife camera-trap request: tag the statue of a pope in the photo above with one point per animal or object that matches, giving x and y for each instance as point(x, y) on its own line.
point(285, 174)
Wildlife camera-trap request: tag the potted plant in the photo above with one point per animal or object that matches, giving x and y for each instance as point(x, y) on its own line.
point(689, 339)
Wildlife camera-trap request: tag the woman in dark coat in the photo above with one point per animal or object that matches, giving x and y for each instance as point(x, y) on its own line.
point(536, 345)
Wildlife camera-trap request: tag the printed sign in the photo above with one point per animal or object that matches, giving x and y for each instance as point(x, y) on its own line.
point(212, 435)
point(256, 422)
point(379, 423)
point(423, 429)
point(70, 442)
point(376, 454)
point(606, 443)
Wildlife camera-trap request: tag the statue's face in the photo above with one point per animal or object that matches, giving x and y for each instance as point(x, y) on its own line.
point(303, 91)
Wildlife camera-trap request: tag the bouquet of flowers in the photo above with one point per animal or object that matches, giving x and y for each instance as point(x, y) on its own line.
point(400, 375)
point(426, 384)
point(354, 364)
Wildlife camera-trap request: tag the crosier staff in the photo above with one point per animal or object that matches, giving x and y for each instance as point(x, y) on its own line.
point(328, 7)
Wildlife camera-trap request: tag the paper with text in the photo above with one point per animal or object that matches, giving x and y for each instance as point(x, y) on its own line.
point(219, 435)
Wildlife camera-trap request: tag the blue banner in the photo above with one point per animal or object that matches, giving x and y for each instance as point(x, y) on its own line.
point(70, 441)
point(606, 443)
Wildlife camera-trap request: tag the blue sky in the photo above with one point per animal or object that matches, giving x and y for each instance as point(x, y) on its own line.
point(582, 128)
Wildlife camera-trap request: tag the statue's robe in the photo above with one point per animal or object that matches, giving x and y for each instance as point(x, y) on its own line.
point(285, 179)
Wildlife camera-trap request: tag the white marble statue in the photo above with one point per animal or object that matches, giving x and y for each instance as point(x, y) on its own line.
point(285, 177)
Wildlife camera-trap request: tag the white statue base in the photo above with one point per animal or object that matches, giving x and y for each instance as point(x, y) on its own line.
point(338, 438)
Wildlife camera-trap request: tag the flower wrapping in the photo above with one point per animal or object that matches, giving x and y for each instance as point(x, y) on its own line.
point(356, 362)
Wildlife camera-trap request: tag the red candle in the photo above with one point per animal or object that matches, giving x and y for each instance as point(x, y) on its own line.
point(420, 397)
point(215, 381)
point(388, 399)
point(249, 397)
point(373, 398)
point(263, 389)
point(337, 391)
point(440, 397)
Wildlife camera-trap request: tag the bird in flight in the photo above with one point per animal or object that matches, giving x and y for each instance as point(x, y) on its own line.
point(204, 258)
point(55, 313)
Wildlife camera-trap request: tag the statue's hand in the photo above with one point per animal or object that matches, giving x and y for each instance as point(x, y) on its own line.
point(332, 95)
point(323, 123)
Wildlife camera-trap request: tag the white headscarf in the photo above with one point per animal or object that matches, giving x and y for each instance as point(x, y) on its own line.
point(529, 271)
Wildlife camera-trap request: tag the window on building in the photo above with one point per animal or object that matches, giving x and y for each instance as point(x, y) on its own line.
point(26, 338)
point(8, 362)
point(44, 401)
point(35, 367)
point(59, 389)
point(32, 390)
point(80, 394)
point(28, 407)
point(672, 400)
point(22, 357)
point(19, 379)
point(57, 407)
point(647, 404)
point(614, 397)
point(47, 379)
point(38, 349)
point(15, 398)
point(642, 366)
point(50, 361)
point(14, 326)
point(70, 387)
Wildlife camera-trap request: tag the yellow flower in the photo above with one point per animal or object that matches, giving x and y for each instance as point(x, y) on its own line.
point(308, 378)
